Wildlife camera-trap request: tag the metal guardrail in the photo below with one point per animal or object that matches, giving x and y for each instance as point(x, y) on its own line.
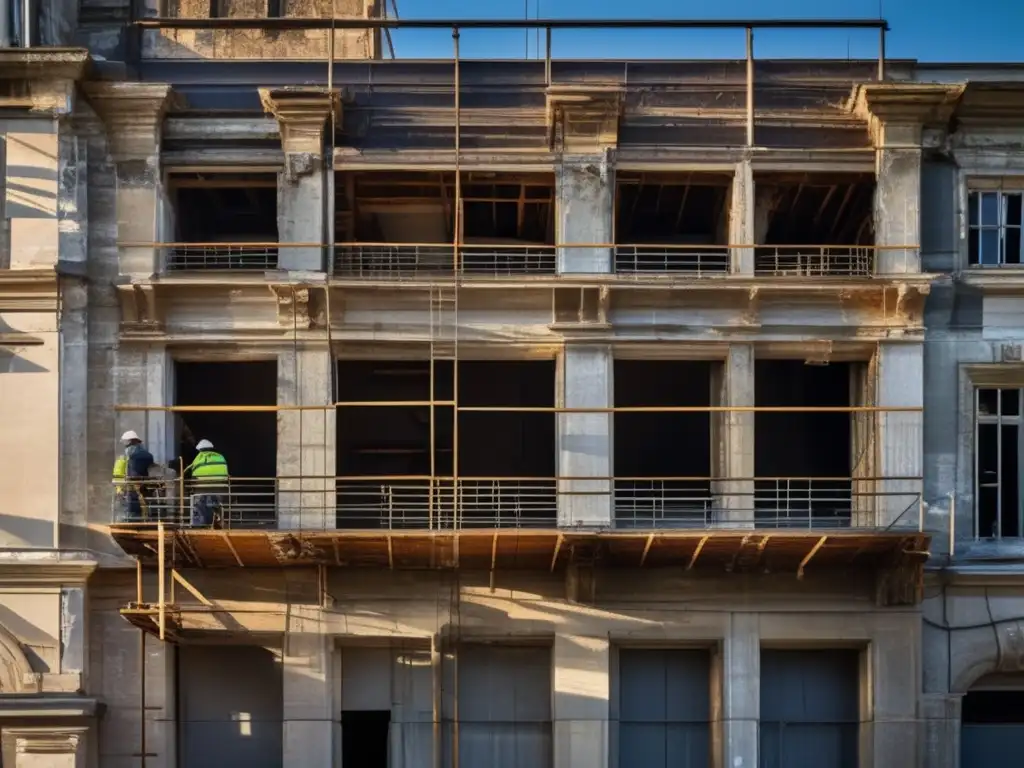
point(398, 261)
point(691, 260)
point(815, 261)
point(419, 503)
point(180, 257)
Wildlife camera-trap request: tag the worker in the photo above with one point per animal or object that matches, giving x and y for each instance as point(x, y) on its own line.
point(131, 471)
point(210, 474)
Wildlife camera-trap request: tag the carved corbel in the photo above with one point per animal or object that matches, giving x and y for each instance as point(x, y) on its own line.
point(302, 114)
point(140, 311)
point(133, 114)
point(583, 119)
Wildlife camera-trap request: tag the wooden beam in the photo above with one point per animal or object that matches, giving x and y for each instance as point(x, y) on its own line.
point(647, 548)
point(391, 554)
point(190, 588)
point(697, 551)
point(814, 550)
point(231, 547)
point(558, 548)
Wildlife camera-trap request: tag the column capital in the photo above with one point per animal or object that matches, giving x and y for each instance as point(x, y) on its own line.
point(897, 112)
point(133, 114)
point(301, 113)
point(584, 118)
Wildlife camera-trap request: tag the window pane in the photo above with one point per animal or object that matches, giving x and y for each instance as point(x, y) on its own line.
point(972, 207)
point(1008, 483)
point(1013, 209)
point(1012, 255)
point(989, 246)
point(988, 401)
point(973, 252)
point(990, 208)
point(1009, 402)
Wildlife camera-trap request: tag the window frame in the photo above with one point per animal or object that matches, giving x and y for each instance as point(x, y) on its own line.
point(975, 222)
point(999, 419)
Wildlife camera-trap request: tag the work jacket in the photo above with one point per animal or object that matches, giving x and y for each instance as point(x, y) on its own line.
point(209, 466)
point(133, 463)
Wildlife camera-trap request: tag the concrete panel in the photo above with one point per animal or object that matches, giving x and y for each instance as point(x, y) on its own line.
point(29, 441)
point(939, 226)
point(585, 194)
point(231, 706)
point(581, 695)
point(31, 176)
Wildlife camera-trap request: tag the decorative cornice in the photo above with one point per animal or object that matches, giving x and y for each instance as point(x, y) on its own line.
point(43, 63)
point(133, 114)
point(301, 113)
point(992, 104)
point(28, 290)
point(47, 741)
point(583, 118)
point(45, 572)
point(913, 103)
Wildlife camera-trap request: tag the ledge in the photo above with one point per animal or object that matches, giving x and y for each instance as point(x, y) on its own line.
point(919, 103)
point(995, 104)
point(996, 280)
point(43, 63)
point(41, 706)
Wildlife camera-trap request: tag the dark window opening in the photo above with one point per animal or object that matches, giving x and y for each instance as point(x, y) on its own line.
point(275, 8)
point(814, 225)
point(653, 449)
point(802, 459)
point(506, 460)
point(247, 440)
point(810, 711)
point(997, 463)
point(664, 223)
point(391, 224)
point(224, 221)
point(364, 738)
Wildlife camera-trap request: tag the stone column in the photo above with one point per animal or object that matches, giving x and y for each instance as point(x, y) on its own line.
point(741, 691)
point(62, 747)
point(897, 113)
point(133, 114)
point(303, 204)
point(737, 430)
point(581, 693)
point(308, 670)
point(585, 192)
point(585, 439)
point(901, 384)
point(305, 440)
point(940, 734)
point(895, 683)
point(742, 208)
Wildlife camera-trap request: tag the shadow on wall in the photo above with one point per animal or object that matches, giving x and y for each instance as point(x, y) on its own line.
point(17, 530)
point(10, 359)
point(30, 191)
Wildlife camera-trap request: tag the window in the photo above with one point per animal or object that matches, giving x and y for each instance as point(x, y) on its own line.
point(997, 462)
point(994, 228)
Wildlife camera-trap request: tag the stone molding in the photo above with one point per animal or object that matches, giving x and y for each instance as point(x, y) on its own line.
point(133, 114)
point(48, 741)
point(302, 115)
point(15, 671)
point(583, 118)
point(905, 107)
point(991, 105)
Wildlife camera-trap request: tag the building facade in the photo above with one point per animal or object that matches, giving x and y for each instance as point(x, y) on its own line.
point(579, 413)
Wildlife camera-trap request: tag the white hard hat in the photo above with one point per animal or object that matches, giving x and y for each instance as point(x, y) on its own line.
point(129, 435)
point(204, 445)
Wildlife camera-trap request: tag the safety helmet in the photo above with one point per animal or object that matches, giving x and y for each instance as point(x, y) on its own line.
point(128, 436)
point(204, 445)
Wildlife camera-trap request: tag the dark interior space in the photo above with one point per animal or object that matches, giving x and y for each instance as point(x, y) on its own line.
point(248, 440)
point(993, 727)
point(392, 443)
point(364, 738)
point(406, 223)
point(688, 214)
point(235, 209)
point(998, 463)
point(821, 217)
point(662, 445)
point(791, 449)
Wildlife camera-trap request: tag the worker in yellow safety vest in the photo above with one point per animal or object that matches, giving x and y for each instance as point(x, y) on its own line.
point(210, 476)
point(131, 469)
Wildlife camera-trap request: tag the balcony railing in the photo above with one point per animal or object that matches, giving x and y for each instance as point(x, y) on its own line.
point(691, 260)
point(821, 260)
point(421, 503)
point(182, 257)
point(397, 261)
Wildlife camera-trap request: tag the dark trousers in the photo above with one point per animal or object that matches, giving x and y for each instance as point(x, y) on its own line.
point(207, 506)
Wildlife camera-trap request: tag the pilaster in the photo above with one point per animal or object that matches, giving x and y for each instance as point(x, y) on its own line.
point(900, 368)
point(133, 114)
point(737, 391)
point(897, 114)
point(584, 439)
point(581, 693)
point(583, 127)
point(308, 679)
point(741, 690)
point(742, 224)
point(302, 196)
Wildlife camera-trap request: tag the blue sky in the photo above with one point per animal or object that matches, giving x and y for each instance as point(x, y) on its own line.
point(928, 30)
